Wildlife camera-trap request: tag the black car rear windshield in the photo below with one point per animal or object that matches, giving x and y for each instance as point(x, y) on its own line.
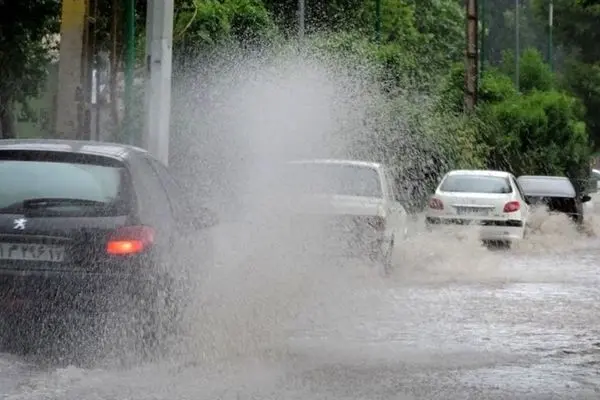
point(476, 184)
point(547, 186)
point(98, 187)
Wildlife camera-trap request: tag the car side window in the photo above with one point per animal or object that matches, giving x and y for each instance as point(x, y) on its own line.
point(516, 185)
point(171, 187)
point(151, 196)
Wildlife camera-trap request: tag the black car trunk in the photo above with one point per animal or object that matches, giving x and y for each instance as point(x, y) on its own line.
point(55, 243)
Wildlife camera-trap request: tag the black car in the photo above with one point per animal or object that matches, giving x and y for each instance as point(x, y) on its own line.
point(557, 193)
point(90, 225)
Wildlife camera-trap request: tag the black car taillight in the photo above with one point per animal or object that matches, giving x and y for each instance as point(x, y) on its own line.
point(129, 240)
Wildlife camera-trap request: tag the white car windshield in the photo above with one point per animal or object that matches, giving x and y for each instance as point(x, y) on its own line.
point(476, 184)
point(332, 179)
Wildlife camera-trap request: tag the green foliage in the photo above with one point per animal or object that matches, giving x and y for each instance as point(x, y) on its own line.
point(451, 96)
point(576, 30)
point(534, 72)
point(24, 52)
point(537, 133)
point(539, 130)
point(575, 27)
point(392, 65)
point(207, 24)
point(442, 32)
point(584, 81)
point(496, 87)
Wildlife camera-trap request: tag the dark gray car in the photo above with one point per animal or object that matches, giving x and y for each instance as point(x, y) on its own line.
point(88, 225)
point(557, 193)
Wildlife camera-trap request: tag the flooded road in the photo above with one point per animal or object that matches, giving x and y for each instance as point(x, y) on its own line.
point(455, 321)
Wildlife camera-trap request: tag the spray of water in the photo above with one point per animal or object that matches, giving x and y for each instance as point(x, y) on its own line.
point(234, 121)
point(247, 120)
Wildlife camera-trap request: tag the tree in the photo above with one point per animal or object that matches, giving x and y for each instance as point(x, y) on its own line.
point(25, 30)
point(575, 29)
point(538, 133)
point(204, 25)
point(589, 3)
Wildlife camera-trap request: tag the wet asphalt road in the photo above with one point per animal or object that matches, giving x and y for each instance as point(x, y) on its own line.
point(449, 324)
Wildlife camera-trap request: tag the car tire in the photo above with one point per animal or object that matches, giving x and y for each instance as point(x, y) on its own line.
point(497, 244)
point(385, 259)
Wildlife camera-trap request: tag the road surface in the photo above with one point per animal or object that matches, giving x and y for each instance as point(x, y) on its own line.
point(454, 321)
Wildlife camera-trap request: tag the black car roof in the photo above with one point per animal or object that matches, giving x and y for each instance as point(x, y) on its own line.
point(546, 186)
point(107, 149)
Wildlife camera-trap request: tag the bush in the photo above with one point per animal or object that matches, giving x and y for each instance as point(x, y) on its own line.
point(537, 133)
point(534, 73)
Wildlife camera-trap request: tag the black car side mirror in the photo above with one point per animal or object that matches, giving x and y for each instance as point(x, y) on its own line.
point(585, 198)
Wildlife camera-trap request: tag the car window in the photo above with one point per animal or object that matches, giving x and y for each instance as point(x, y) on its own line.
point(331, 178)
point(546, 186)
point(467, 183)
point(516, 184)
point(152, 198)
point(172, 188)
point(27, 179)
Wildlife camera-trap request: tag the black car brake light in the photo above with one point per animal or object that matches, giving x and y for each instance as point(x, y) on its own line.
point(129, 240)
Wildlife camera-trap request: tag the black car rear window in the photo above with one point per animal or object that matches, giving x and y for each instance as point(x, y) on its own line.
point(546, 186)
point(100, 185)
point(476, 184)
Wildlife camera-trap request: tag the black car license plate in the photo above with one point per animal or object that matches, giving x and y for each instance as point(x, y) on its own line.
point(31, 252)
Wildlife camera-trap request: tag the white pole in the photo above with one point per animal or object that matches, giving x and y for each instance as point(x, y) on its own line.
point(517, 45)
point(159, 42)
point(301, 18)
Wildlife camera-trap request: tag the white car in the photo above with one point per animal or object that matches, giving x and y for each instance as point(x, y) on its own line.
point(492, 200)
point(346, 201)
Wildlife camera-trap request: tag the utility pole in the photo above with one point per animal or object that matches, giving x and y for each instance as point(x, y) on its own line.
point(550, 41)
point(301, 18)
point(129, 68)
point(89, 51)
point(471, 56)
point(71, 70)
point(517, 45)
point(159, 42)
point(482, 38)
point(378, 20)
